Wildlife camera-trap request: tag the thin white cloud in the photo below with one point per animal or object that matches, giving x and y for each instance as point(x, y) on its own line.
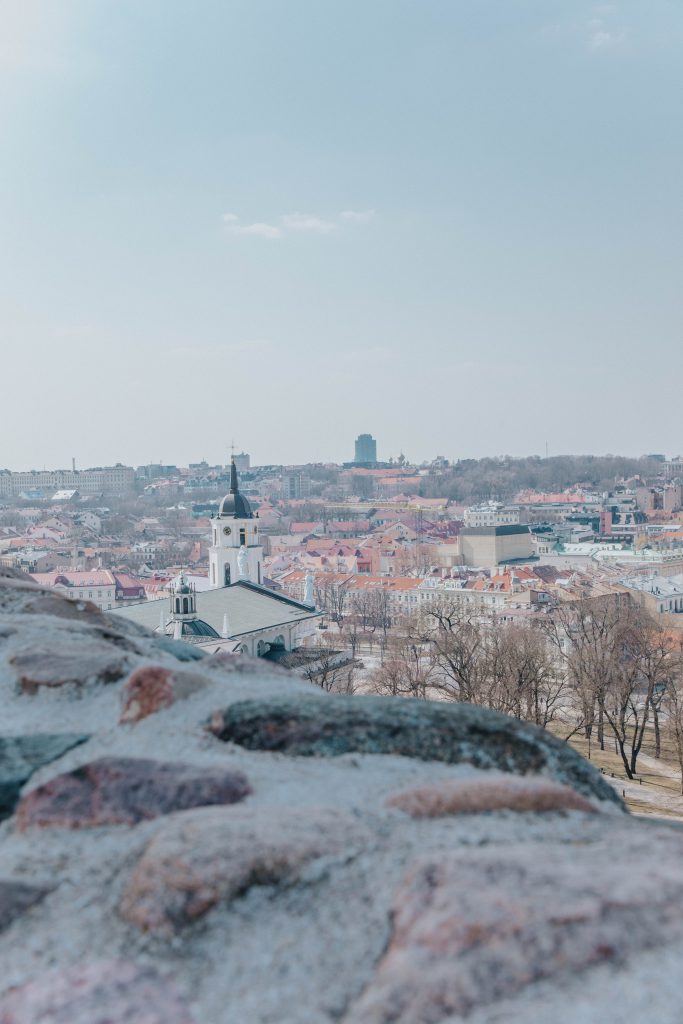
point(307, 222)
point(294, 222)
point(602, 39)
point(258, 230)
point(603, 36)
point(357, 216)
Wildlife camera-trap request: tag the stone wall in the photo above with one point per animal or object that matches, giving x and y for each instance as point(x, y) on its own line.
point(192, 840)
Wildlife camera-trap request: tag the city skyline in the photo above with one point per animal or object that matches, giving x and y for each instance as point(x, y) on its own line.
point(72, 464)
point(457, 223)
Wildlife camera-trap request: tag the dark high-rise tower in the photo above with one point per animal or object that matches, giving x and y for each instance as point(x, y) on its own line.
point(366, 450)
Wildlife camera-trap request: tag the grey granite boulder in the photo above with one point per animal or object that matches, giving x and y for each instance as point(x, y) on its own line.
point(126, 790)
point(201, 857)
point(15, 898)
point(327, 726)
point(101, 992)
point(21, 756)
point(467, 931)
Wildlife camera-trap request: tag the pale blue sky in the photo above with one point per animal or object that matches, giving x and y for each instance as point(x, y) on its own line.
point(456, 225)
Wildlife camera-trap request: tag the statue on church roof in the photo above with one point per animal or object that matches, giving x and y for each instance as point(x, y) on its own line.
point(181, 584)
point(243, 564)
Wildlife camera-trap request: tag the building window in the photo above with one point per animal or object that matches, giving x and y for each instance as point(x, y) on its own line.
point(243, 536)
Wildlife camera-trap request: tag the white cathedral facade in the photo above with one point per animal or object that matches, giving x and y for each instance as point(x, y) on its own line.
point(237, 613)
point(236, 551)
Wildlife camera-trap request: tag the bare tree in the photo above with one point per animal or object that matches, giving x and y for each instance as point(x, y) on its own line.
point(407, 672)
point(522, 678)
point(672, 704)
point(330, 676)
point(584, 634)
point(332, 597)
point(656, 703)
point(458, 646)
point(616, 658)
point(361, 607)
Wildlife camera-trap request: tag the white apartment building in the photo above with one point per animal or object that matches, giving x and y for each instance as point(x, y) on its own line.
point(404, 595)
point(663, 594)
point(116, 479)
point(492, 513)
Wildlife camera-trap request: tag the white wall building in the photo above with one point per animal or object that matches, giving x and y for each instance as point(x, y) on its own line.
point(237, 612)
point(236, 551)
point(492, 513)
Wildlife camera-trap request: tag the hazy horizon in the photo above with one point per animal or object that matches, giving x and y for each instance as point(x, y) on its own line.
point(255, 462)
point(454, 225)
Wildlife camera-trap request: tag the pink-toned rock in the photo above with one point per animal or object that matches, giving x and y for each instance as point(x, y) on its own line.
point(102, 992)
point(203, 857)
point(15, 898)
point(501, 792)
point(152, 688)
point(64, 663)
point(124, 791)
point(470, 930)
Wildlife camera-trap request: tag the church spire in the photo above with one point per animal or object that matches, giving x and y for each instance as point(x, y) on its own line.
point(234, 486)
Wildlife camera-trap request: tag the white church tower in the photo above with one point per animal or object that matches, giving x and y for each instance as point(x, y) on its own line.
point(236, 552)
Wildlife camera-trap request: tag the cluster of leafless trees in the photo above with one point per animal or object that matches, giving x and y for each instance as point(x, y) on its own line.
point(601, 667)
point(480, 479)
point(365, 610)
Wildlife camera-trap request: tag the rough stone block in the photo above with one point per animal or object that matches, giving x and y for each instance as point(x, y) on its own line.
point(202, 857)
point(102, 992)
point(327, 726)
point(20, 756)
point(63, 663)
point(468, 931)
point(124, 791)
point(15, 898)
point(152, 688)
point(478, 795)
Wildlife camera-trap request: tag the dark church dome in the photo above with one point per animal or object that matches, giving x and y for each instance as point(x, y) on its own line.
point(235, 504)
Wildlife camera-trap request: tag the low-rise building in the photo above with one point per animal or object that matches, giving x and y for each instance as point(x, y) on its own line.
point(492, 513)
point(98, 586)
point(116, 479)
point(486, 546)
point(658, 594)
